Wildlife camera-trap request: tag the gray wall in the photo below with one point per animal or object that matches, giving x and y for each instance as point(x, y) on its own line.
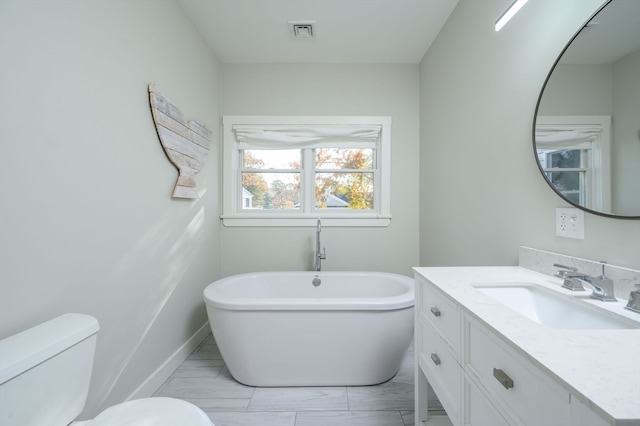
point(626, 133)
point(87, 221)
point(295, 89)
point(578, 90)
point(481, 194)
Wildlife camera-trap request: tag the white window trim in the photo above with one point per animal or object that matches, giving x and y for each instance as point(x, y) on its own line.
point(232, 215)
point(599, 178)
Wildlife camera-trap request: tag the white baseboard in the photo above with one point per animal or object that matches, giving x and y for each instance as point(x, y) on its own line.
point(157, 379)
point(437, 420)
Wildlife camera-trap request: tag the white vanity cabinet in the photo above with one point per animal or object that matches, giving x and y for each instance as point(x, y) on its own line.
point(479, 411)
point(520, 391)
point(478, 375)
point(437, 343)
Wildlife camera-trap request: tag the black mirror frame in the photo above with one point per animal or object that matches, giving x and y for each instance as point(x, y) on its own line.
point(535, 118)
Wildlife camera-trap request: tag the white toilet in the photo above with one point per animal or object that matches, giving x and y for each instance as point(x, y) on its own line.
point(44, 380)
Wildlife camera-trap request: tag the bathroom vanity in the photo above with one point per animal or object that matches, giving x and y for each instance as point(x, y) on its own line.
point(499, 346)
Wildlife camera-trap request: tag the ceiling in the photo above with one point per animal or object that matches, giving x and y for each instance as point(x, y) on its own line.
point(345, 31)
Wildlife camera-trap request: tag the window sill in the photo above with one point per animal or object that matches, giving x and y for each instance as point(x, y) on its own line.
point(307, 221)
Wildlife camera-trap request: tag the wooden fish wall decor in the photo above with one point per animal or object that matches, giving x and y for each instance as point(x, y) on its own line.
point(185, 142)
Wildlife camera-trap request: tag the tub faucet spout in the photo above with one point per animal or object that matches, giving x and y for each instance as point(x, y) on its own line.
point(320, 255)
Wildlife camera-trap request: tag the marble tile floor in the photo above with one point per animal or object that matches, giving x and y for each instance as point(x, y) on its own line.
point(204, 381)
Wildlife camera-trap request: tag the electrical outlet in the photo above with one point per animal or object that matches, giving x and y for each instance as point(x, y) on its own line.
point(569, 223)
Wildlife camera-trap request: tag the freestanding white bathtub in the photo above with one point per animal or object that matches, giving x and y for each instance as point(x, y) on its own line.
point(279, 329)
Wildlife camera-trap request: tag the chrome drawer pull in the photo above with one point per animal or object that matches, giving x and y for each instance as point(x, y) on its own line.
point(435, 311)
point(436, 359)
point(502, 377)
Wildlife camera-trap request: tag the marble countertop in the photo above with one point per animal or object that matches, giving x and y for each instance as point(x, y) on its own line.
point(600, 367)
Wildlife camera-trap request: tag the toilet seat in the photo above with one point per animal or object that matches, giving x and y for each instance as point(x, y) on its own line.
point(157, 411)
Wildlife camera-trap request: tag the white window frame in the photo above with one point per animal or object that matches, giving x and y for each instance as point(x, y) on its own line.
point(234, 215)
point(597, 173)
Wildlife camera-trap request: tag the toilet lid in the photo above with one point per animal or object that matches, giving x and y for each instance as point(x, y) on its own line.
point(158, 411)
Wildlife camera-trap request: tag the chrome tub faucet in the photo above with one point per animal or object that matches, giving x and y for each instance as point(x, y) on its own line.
point(320, 255)
point(601, 285)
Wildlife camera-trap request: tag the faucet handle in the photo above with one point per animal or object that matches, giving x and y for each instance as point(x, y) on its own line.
point(634, 299)
point(564, 271)
point(603, 263)
point(568, 268)
point(571, 277)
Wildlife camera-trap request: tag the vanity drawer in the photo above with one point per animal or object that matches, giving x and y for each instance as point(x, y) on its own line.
point(441, 369)
point(512, 381)
point(480, 412)
point(441, 313)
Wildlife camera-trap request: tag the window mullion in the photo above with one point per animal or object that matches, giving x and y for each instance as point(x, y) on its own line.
point(345, 170)
point(565, 169)
point(238, 186)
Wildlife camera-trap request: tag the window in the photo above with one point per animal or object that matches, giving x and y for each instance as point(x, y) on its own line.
point(574, 154)
point(569, 171)
point(288, 171)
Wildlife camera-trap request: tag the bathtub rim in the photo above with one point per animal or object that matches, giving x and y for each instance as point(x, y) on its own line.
point(404, 300)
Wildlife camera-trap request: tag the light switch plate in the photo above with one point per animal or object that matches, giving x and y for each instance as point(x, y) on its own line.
point(570, 223)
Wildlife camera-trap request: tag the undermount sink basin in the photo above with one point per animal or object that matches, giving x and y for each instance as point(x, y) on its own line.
point(554, 310)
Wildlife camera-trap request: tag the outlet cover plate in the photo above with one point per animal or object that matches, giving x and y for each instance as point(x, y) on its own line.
point(570, 223)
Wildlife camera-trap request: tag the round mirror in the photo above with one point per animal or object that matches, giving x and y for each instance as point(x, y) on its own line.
point(586, 132)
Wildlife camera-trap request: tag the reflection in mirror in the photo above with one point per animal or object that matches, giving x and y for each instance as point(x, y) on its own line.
point(587, 125)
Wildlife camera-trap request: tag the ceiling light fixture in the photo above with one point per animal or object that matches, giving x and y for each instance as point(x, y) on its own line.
point(513, 9)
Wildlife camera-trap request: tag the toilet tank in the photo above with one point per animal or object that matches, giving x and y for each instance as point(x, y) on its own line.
point(45, 371)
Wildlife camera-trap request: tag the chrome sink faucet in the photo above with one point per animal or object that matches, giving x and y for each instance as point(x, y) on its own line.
point(601, 285)
point(320, 255)
point(634, 299)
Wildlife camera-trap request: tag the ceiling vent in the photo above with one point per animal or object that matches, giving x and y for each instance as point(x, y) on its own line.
point(302, 29)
